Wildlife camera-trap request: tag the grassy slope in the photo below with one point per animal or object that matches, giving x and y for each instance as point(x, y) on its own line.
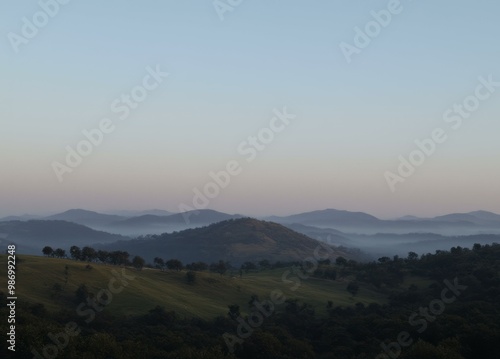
point(208, 297)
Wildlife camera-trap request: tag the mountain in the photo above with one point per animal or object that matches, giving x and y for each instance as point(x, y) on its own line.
point(389, 245)
point(201, 216)
point(86, 218)
point(31, 236)
point(486, 215)
point(330, 217)
point(153, 224)
point(146, 219)
point(328, 235)
point(235, 240)
point(130, 213)
point(476, 217)
point(478, 222)
point(409, 218)
point(25, 217)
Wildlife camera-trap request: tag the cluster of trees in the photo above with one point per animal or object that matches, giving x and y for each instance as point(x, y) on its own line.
point(122, 258)
point(171, 264)
point(89, 254)
point(50, 252)
point(385, 272)
point(220, 267)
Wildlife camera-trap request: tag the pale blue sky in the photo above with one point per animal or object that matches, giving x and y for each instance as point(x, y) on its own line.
point(226, 77)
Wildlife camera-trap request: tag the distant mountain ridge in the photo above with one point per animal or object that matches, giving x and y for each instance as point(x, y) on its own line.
point(328, 235)
point(360, 222)
point(31, 236)
point(25, 217)
point(151, 224)
point(131, 213)
point(154, 222)
point(476, 217)
point(331, 216)
point(148, 223)
point(338, 228)
point(84, 217)
point(205, 216)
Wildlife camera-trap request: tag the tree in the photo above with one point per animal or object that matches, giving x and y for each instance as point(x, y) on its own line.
point(423, 349)
point(341, 261)
point(191, 277)
point(48, 251)
point(253, 298)
point(353, 288)
point(248, 266)
point(197, 266)
point(60, 253)
point(220, 267)
point(384, 259)
point(75, 252)
point(119, 257)
point(234, 311)
point(159, 263)
point(264, 263)
point(138, 262)
point(88, 254)
point(103, 256)
point(412, 256)
point(82, 293)
point(174, 264)
point(57, 290)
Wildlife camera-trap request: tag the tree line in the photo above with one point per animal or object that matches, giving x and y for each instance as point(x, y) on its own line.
point(122, 258)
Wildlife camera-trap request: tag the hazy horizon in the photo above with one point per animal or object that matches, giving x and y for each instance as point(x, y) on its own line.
point(350, 117)
point(256, 215)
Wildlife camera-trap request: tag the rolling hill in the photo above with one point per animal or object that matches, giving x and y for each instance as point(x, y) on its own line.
point(207, 298)
point(235, 240)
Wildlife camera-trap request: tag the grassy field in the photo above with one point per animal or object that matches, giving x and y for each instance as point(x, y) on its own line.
point(209, 296)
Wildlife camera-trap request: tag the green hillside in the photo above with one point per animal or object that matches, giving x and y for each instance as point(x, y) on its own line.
point(446, 304)
point(208, 297)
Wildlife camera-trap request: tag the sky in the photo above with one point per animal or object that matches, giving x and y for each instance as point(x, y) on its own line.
point(334, 94)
